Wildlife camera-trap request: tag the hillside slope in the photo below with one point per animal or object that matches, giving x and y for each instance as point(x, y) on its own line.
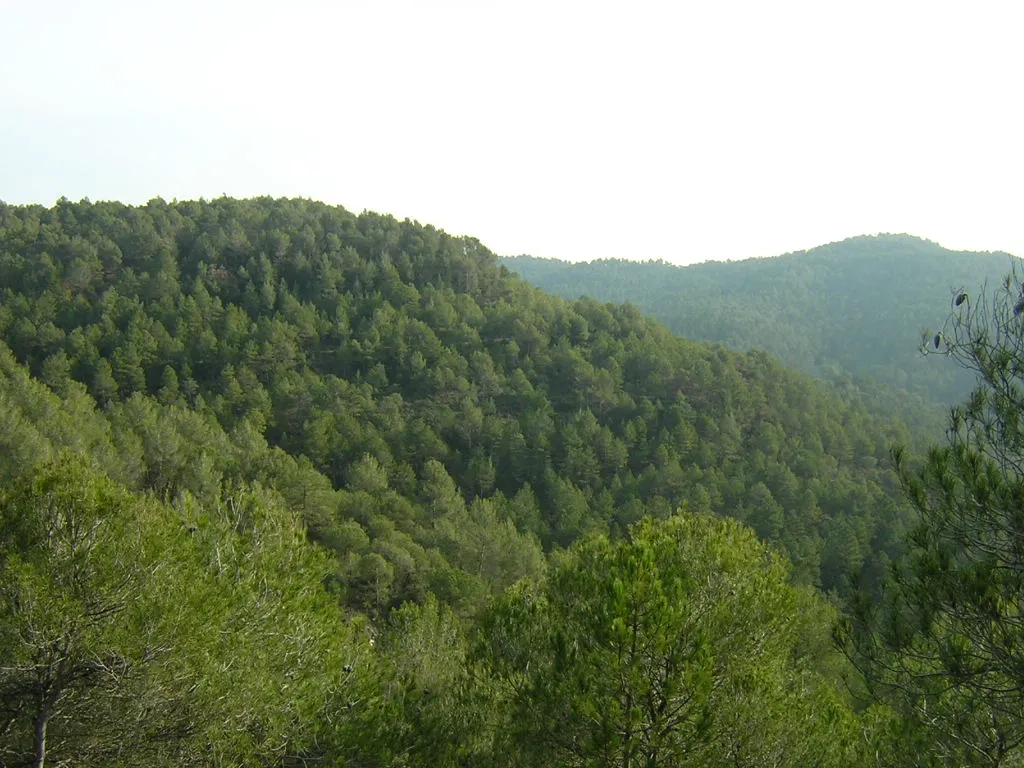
point(420, 406)
point(854, 308)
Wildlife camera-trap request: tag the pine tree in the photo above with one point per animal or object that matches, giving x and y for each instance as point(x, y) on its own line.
point(948, 643)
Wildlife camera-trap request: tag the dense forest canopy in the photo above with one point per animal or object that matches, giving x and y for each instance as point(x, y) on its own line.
point(850, 309)
point(441, 496)
point(421, 392)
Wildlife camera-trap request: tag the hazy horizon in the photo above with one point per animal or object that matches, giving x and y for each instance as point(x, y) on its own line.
point(684, 132)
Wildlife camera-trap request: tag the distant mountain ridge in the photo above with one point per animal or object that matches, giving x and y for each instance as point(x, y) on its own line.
point(854, 308)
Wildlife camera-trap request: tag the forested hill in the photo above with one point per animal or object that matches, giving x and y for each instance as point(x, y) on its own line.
point(853, 308)
point(190, 392)
point(421, 394)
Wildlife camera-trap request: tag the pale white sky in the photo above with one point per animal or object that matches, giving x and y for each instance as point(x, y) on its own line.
point(683, 130)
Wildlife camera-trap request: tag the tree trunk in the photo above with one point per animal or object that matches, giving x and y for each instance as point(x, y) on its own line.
point(42, 720)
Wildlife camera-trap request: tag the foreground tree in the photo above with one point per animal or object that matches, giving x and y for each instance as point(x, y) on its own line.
point(683, 645)
point(947, 644)
point(423, 706)
point(134, 634)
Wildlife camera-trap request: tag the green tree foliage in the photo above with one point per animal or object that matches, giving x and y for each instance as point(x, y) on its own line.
point(427, 710)
point(236, 377)
point(948, 643)
point(683, 645)
point(135, 634)
point(284, 341)
point(848, 312)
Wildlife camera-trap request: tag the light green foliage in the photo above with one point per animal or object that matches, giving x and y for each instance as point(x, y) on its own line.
point(35, 424)
point(483, 541)
point(426, 708)
point(136, 634)
point(684, 645)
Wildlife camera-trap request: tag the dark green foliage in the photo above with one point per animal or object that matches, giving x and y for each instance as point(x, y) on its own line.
point(947, 644)
point(286, 341)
